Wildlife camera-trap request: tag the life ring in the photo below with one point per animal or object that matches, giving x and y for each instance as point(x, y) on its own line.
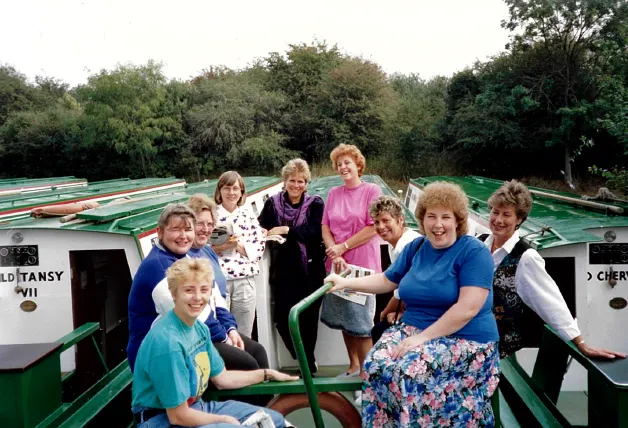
point(333, 402)
point(63, 209)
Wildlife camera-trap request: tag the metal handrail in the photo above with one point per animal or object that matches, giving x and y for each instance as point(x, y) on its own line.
point(295, 334)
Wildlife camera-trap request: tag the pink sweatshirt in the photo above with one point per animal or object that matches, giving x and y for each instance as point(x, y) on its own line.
point(346, 213)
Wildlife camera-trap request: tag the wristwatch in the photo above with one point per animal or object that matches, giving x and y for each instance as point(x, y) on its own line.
point(346, 245)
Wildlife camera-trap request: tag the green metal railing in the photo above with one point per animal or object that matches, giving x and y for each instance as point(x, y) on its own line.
point(295, 334)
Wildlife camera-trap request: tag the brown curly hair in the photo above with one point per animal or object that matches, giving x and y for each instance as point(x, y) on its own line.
point(387, 204)
point(446, 195)
point(349, 150)
point(514, 193)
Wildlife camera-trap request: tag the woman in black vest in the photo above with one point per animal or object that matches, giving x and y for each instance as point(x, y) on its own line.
point(521, 282)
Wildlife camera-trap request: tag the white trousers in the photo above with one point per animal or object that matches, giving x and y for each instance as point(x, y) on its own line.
point(241, 303)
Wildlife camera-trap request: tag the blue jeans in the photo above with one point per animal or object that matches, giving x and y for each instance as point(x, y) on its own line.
point(238, 410)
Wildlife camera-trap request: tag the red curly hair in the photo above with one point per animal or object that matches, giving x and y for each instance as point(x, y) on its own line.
point(353, 152)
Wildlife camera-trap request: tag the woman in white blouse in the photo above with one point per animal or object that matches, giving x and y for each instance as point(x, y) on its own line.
point(239, 257)
point(390, 225)
point(521, 281)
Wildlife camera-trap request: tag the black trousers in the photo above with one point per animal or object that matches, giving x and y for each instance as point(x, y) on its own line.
point(285, 298)
point(252, 358)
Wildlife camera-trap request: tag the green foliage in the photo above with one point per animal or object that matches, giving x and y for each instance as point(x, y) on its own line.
point(616, 177)
point(556, 99)
point(124, 111)
point(42, 140)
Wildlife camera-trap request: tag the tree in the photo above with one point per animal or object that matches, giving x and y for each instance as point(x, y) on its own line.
point(565, 38)
point(124, 110)
point(230, 122)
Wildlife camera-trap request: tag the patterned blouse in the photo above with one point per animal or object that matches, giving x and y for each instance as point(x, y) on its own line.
point(234, 264)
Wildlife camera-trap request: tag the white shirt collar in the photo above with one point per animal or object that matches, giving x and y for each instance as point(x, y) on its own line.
point(508, 246)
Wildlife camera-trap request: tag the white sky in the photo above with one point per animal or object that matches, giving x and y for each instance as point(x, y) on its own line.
point(70, 39)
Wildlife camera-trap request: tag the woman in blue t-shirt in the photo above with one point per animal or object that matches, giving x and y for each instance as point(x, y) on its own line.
point(177, 360)
point(440, 364)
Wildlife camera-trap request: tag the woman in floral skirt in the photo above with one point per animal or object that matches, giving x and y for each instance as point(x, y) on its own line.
point(439, 366)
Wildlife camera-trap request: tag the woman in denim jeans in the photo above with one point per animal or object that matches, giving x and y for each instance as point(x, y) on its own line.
point(177, 360)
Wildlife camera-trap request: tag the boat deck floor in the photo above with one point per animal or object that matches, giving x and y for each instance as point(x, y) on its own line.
point(573, 404)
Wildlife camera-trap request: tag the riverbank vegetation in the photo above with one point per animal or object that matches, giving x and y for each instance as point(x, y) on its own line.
point(553, 105)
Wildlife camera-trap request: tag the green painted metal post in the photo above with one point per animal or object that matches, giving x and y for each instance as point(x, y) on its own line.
point(30, 383)
point(295, 334)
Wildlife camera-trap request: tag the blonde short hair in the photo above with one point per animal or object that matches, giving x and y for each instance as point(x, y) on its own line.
point(349, 150)
point(296, 166)
point(228, 179)
point(201, 202)
point(181, 211)
point(444, 195)
point(387, 204)
point(512, 193)
point(188, 269)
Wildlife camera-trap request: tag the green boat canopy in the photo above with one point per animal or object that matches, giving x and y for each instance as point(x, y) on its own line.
point(556, 219)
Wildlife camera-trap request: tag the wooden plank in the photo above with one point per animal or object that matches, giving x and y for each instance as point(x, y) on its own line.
point(100, 400)
point(527, 406)
point(290, 387)
point(88, 404)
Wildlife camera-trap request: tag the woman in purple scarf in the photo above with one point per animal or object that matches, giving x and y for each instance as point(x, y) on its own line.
point(298, 265)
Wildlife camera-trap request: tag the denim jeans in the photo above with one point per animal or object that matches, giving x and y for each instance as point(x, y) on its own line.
point(238, 410)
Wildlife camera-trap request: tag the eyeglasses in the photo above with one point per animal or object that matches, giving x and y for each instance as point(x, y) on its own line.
point(205, 225)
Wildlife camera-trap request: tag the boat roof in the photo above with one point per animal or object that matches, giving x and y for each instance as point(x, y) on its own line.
point(140, 214)
point(137, 214)
point(108, 189)
point(322, 185)
point(24, 184)
point(552, 222)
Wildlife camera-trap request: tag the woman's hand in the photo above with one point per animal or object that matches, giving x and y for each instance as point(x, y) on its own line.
point(591, 352)
point(339, 265)
point(228, 245)
point(336, 251)
point(391, 307)
point(407, 344)
point(390, 317)
point(339, 282)
point(236, 339)
point(279, 230)
point(280, 377)
point(226, 419)
point(240, 249)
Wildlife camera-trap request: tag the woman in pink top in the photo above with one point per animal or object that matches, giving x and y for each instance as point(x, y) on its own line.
point(350, 238)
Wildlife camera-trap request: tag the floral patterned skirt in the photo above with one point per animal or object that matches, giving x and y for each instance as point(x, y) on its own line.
point(446, 382)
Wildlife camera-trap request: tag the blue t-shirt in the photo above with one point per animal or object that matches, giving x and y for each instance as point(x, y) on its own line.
point(430, 279)
point(174, 364)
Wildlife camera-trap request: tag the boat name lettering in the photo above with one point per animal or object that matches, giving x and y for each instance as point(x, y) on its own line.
point(51, 276)
point(617, 275)
point(30, 292)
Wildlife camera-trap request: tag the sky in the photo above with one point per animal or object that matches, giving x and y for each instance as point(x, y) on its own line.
point(71, 39)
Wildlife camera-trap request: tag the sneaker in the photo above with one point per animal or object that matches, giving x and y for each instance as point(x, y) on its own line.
point(347, 374)
point(358, 398)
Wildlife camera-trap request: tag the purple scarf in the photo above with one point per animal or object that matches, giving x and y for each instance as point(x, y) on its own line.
point(287, 215)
